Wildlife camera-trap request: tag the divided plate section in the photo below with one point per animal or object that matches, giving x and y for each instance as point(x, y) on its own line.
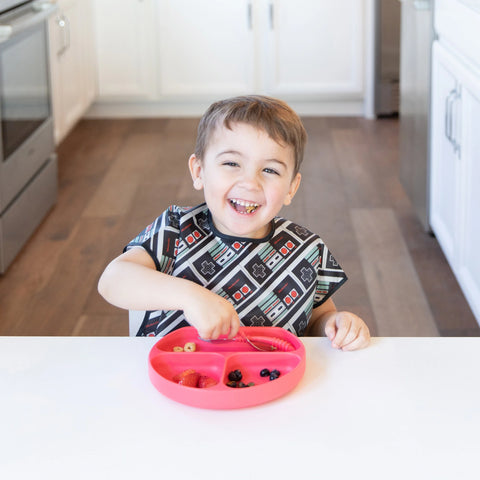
point(178, 338)
point(251, 364)
point(165, 366)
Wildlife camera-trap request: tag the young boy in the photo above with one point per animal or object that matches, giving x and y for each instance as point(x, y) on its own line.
point(231, 260)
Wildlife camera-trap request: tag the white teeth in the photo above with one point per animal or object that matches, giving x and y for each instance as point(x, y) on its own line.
point(244, 204)
point(249, 207)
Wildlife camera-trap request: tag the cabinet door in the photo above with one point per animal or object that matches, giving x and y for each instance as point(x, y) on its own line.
point(125, 43)
point(315, 47)
point(205, 48)
point(445, 162)
point(469, 261)
point(72, 69)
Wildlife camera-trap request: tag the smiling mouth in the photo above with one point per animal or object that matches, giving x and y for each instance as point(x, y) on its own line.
point(245, 208)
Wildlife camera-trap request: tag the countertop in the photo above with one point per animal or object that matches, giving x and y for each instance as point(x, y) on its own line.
point(79, 407)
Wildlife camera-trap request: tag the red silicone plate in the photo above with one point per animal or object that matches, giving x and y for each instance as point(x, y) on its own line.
point(218, 359)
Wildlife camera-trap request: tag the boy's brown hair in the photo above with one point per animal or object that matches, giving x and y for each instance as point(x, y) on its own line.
point(273, 116)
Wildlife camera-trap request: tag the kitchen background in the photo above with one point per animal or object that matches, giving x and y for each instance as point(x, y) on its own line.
point(389, 92)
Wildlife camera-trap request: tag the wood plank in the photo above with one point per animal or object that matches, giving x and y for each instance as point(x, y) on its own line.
point(101, 326)
point(55, 308)
point(137, 158)
point(395, 291)
point(450, 309)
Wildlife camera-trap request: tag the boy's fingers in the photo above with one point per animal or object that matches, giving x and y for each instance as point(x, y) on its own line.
point(351, 335)
point(347, 331)
point(225, 328)
point(330, 328)
point(234, 329)
point(361, 341)
point(205, 334)
point(343, 327)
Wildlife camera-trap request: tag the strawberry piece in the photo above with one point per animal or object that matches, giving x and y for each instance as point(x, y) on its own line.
point(190, 380)
point(204, 381)
point(177, 378)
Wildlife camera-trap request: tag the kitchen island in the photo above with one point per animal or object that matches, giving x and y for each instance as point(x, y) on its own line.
point(84, 407)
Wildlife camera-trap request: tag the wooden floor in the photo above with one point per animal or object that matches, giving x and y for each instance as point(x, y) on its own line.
point(117, 176)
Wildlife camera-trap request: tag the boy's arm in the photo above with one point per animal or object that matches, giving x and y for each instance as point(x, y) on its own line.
point(131, 281)
point(344, 329)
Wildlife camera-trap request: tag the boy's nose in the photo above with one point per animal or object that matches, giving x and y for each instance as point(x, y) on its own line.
point(250, 180)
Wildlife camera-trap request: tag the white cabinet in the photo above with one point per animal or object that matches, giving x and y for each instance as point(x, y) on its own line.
point(469, 257)
point(304, 48)
point(455, 167)
point(445, 152)
point(314, 48)
point(197, 51)
point(206, 47)
point(125, 45)
point(72, 63)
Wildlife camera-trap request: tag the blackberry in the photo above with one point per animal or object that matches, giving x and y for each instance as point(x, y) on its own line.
point(235, 376)
point(265, 372)
point(232, 384)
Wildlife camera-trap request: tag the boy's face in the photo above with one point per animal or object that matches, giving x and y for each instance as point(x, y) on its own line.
point(247, 177)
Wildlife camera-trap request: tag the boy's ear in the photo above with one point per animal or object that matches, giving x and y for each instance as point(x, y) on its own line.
point(293, 189)
point(195, 166)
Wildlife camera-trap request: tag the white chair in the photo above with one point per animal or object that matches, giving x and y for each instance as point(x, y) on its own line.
point(135, 319)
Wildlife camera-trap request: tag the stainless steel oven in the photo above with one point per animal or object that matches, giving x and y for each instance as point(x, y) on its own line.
point(28, 165)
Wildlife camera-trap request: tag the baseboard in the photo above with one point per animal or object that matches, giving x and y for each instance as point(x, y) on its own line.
point(353, 108)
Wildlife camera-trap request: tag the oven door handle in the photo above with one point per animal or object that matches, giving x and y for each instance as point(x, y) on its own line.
point(32, 16)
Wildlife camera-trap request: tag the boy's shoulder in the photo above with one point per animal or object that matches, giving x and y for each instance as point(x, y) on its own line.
point(175, 214)
point(172, 219)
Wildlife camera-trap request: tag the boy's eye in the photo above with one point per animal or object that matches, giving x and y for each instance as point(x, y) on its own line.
point(230, 164)
point(271, 170)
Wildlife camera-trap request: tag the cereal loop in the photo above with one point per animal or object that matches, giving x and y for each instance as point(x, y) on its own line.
point(189, 347)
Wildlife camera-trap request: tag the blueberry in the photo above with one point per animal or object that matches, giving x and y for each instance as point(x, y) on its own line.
point(274, 374)
point(235, 376)
point(265, 372)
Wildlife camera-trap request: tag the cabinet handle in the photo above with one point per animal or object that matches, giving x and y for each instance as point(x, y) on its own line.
point(448, 115)
point(61, 24)
point(451, 101)
point(249, 16)
point(455, 106)
point(272, 16)
point(64, 24)
point(67, 33)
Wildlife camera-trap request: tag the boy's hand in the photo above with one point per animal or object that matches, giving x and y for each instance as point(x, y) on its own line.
point(211, 315)
point(346, 331)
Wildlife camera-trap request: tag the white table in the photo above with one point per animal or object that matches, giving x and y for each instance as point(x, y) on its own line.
point(85, 408)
